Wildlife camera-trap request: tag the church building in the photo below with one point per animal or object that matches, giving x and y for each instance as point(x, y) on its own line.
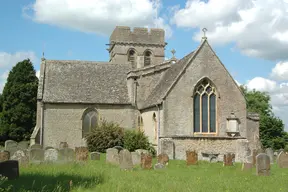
point(184, 104)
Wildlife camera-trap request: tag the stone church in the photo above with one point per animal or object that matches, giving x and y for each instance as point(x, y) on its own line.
point(191, 103)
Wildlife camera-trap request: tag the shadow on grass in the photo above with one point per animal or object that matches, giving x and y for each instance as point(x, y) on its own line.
point(48, 183)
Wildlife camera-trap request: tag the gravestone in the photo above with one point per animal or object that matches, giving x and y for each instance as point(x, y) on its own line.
point(191, 158)
point(228, 159)
point(254, 154)
point(11, 146)
point(125, 160)
point(119, 148)
point(36, 155)
point(146, 161)
point(163, 158)
point(112, 156)
point(136, 158)
point(168, 147)
point(159, 166)
point(36, 146)
point(282, 159)
point(249, 159)
point(4, 155)
point(63, 145)
point(23, 145)
point(140, 151)
point(82, 153)
point(95, 156)
point(49, 147)
point(51, 155)
point(21, 156)
point(9, 169)
point(262, 165)
point(66, 155)
point(247, 166)
point(270, 153)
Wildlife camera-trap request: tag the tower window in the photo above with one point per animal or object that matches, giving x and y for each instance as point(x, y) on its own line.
point(131, 56)
point(147, 58)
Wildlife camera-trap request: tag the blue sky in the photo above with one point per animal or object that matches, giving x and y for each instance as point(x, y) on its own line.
point(249, 37)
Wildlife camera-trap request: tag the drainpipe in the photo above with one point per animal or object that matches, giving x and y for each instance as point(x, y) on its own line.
point(158, 130)
point(42, 123)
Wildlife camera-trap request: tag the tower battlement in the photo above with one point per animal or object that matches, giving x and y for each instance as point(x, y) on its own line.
point(123, 34)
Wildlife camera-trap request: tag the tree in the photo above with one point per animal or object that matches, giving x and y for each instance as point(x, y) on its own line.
point(272, 132)
point(19, 103)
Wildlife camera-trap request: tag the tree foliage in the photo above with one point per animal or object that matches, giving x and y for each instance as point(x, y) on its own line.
point(272, 132)
point(19, 102)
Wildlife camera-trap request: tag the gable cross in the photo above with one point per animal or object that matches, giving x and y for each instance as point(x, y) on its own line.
point(204, 33)
point(173, 52)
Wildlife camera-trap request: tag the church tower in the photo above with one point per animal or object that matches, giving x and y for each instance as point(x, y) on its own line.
point(138, 48)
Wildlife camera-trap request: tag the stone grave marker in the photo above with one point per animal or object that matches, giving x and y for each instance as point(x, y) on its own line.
point(4, 155)
point(136, 158)
point(51, 155)
point(21, 157)
point(163, 158)
point(125, 160)
point(159, 166)
point(66, 155)
point(262, 165)
point(63, 145)
point(282, 159)
point(140, 151)
point(270, 153)
point(36, 155)
point(95, 156)
point(247, 166)
point(11, 146)
point(168, 147)
point(48, 147)
point(23, 145)
point(82, 153)
point(146, 161)
point(191, 158)
point(112, 156)
point(249, 159)
point(228, 159)
point(119, 148)
point(36, 146)
point(254, 154)
point(9, 169)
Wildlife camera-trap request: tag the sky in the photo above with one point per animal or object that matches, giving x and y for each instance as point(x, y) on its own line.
point(249, 36)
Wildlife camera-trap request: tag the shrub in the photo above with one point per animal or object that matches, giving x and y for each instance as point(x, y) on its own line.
point(105, 135)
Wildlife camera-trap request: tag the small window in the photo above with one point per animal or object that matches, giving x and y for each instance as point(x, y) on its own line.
point(131, 56)
point(89, 122)
point(147, 58)
point(140, 123)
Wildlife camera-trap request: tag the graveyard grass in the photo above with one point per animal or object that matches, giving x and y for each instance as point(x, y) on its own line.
point(99, 176)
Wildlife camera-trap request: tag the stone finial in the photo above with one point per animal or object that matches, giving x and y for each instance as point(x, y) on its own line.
point(43, 58)
point(173, 59)
point(204, 33)
point(173, 52)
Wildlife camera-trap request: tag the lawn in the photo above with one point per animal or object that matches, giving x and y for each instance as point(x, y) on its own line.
point(99, 176)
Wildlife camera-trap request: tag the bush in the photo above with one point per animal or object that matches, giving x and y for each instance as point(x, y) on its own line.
point(104, 136)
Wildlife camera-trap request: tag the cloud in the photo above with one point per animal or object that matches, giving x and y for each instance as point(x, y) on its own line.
point(8, 60)
point(280, 71)
point(96, 16)
point(258, 28)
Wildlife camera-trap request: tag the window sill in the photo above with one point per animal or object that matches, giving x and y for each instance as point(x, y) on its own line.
point(206, 136)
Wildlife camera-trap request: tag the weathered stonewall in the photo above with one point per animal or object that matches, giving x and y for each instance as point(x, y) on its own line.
point(21, 156)
point(95, 156)
point(163, 159)
point(191, 158)
point(146, 161)
point(270, 153)
point(262, 164)
point(282, 159)
point(112, 156)
point(228, 159)
point(247, 166)
point(9, 169)
point(11, 146)
point(36, 155)
point(4, 155)
point(125, 160)
point(159, 166)
point(66, 155)
point(136, 158)
point(51, 155)
point(82, 153)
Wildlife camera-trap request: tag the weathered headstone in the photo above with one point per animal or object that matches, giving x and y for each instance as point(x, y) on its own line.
point(11, 146)
point(9, 169)
point(125, 159)
point(63, 145)
point(163, 158)
point(36, 146)
point(4, 155)
point(23, 145)
point(119, 148)
point(140, 151)
point(159, 166)
point(228, 159)
point(82, 153)
point(168, 147)
point(66, 155)
point(262, 164)
point(146, 161)
point(51, 155)
point(249, 159)
point(36, 155)
point(254, 154)
point(270, 153)
point(191, 158)
point(95, 156)
point(247, 166)
point(282, 159)
point(136, 158)
point(21, 157)
point(48, 147)
point(112, 156)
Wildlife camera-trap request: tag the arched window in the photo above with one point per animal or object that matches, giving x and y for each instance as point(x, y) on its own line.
point(140, 123)
point(155, 126)
point(89, 121)
point(205, 108)
point(131, 56)
point(147, 58)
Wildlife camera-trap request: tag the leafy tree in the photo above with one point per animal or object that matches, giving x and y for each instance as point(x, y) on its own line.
point(272, 132)
point(19, 102)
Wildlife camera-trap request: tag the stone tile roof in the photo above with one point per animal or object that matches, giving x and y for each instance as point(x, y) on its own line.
point(167, 80)
point(85, 82)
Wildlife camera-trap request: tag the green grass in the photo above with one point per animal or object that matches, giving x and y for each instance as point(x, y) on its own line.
point(99, 176)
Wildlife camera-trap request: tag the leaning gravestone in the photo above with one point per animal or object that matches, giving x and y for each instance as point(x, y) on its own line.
point(36, 155)
point(191, 158)
point(270, 153)
point(112, 156)
point(136, 158)
point(146, 161)
point(163, 158)
point(228, 159)
point(262, 165)
point(51, 155)
point(21, 157)
point(82, 153)
point(4, 155)
point(95, 156)
point(282, 159)
point(11, 146)
point(125, 160)
point(66, 155)
point(9, 169)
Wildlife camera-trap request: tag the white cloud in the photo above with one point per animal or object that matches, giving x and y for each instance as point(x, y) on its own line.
point(261, 84)
point(8, 60)
point(280, 71)
point(97, 16)
point(258, 28)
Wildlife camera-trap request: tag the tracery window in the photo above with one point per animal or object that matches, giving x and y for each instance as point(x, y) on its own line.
point(147, 58)
point(89, 121)
point(205, 108)
point(131, 56)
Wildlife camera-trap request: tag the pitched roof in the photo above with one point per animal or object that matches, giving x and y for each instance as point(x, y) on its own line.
point(85, 82)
